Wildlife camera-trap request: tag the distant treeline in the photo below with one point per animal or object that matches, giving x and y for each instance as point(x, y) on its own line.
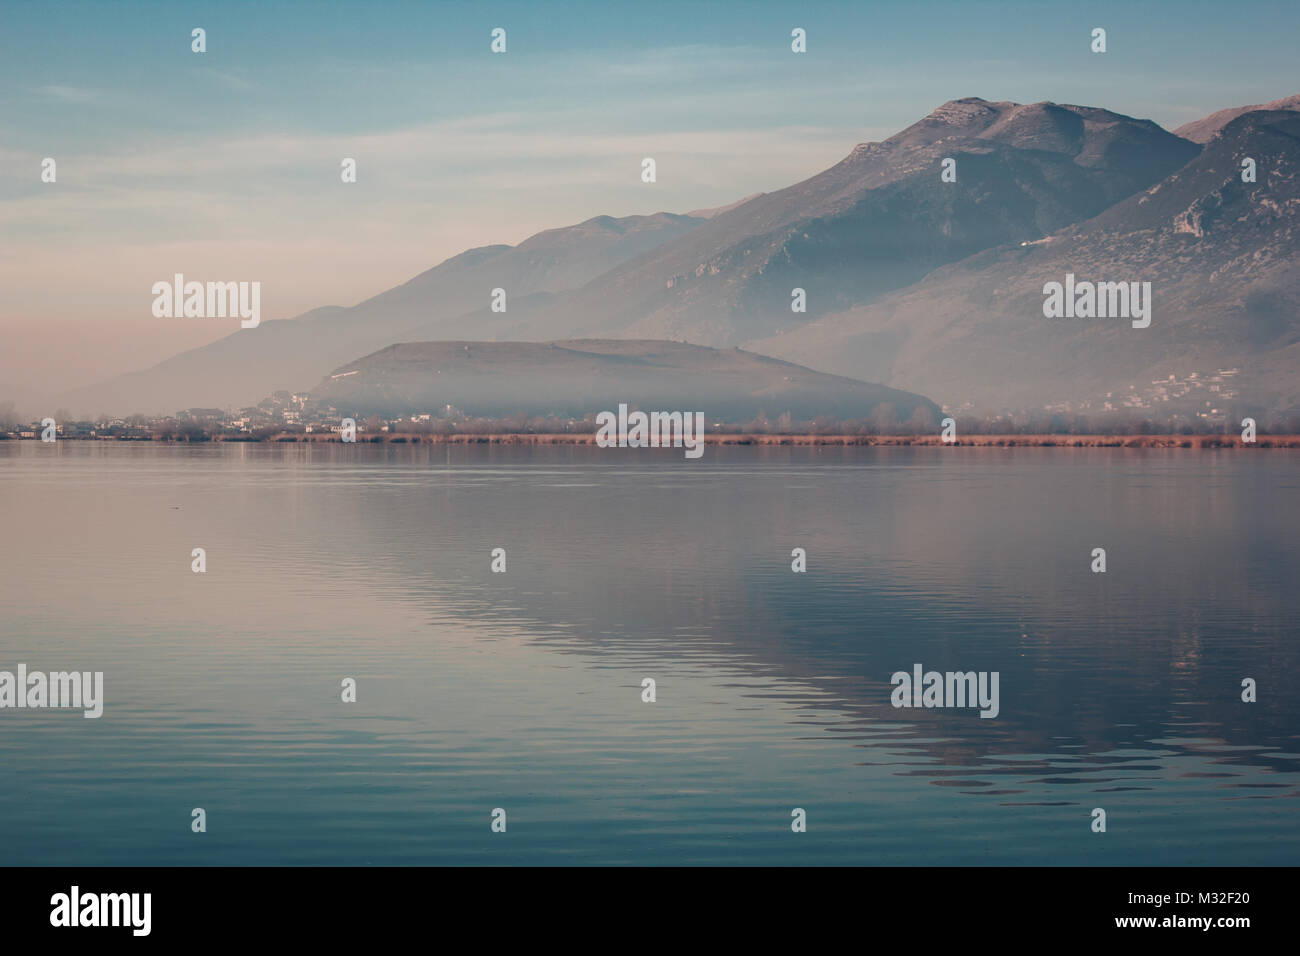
point(373, 429)
point(1031, 424)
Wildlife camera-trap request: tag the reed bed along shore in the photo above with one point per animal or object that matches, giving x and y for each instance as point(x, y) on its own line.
point(969, 441)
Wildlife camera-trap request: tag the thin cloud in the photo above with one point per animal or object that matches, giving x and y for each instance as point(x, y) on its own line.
point(69, 94)
point(690, 61)
point(228, 80)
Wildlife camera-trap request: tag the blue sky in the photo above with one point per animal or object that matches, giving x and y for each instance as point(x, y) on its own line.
point(226, 163)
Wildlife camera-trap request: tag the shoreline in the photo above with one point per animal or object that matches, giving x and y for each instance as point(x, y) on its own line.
point(758, 439)
point(970, 441)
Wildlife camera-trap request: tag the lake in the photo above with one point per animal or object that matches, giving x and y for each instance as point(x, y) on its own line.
point(523, 690)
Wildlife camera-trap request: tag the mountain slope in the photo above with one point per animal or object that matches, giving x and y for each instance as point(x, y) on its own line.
point(1203, 130)
point(878, 220)
point(1221, 256)
point(581, 377)
point(294, 353)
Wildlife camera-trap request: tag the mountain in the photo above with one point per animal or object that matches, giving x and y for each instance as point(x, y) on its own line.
point(1221, 255)
point(1203, 130)
point(930, 286)
point(717, 210)
point(483, 322)
point(574, 379)
point(876, 221)
point(294, 353)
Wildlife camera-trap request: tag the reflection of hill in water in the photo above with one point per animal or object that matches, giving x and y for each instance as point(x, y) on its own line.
point(981, 565)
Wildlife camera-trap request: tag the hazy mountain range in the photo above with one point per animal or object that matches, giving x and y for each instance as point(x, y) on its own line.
point(928, 286)
point(295, 353)
point(1221, 256)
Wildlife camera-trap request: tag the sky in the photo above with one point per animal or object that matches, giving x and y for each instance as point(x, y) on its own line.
point(225, 164)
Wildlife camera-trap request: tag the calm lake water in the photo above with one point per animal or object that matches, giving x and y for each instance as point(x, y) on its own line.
point(523, 690)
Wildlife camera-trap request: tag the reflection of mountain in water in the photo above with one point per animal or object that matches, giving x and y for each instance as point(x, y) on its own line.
point(638, 559)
